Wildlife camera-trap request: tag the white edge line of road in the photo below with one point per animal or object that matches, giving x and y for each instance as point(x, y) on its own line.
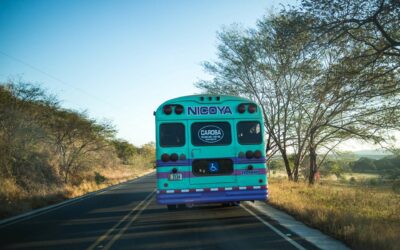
point(294, 243)
point(311, 235)
point(43, 210)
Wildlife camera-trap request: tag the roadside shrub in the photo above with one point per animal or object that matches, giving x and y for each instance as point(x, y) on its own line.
point(373, 182)
point(98, 178)
point(396, 186)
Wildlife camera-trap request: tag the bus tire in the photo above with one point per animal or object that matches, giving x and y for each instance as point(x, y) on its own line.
point(171, 207)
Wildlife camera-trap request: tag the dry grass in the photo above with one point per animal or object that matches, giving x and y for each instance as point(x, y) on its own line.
point(364, 218)
point(112, 176)
point(14, 200)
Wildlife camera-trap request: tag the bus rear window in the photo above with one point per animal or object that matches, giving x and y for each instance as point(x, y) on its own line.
point(172, 135)
point(211, 133)
point(249, 132)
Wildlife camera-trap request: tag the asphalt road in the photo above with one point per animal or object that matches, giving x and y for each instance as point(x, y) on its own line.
point(127, 217)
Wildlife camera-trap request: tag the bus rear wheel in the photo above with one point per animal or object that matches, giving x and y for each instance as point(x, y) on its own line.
point(172, 207)
point(231, 204)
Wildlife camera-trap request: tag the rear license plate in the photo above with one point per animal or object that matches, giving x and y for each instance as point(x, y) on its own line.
point(175, 177)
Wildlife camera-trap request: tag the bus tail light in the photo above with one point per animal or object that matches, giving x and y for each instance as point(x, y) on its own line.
point(174, 170)
point(178, 109)
point(174, 157)
point(257, 154)
point(252, 108)
point(250, 167)
point(165, 157)
point(249, 154)
point(167, 109)
point(241, 108)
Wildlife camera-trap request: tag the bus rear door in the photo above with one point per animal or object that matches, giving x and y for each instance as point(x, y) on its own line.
point(212, 151)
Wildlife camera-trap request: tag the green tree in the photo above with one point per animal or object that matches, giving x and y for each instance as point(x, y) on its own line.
point(364, 73)
point(312, 96)
point(270, 65)
point(370, 25)
point(125, 150)
point(363, 165)
point(276, 164)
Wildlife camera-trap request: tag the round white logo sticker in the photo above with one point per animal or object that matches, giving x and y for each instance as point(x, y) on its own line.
point(210, 134)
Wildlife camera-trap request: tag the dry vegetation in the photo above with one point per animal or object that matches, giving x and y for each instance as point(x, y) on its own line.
point(363, 217)
point(49, 154)
point(112, 176)
point(15, 200)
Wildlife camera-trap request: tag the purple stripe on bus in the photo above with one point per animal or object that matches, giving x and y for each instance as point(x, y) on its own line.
point(213, 199)
point(249, 161)
point(186, 174)
point(209, 197)
point(189, 162)
point(173, 163)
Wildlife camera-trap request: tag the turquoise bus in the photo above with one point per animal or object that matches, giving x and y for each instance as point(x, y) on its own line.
point(210, 149)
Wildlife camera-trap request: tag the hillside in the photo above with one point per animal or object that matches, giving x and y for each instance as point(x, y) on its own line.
point(48, 153)
point(372, 154)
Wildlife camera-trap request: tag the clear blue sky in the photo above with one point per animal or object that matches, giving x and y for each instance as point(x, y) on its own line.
point(119, 59)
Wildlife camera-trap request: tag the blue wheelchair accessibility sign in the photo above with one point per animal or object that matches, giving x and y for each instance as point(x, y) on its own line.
point(213, 167)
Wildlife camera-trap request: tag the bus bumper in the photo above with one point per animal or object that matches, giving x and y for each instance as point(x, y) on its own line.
point(196, 196)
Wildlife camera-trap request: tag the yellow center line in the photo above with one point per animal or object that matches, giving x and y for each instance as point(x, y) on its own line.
point(122, 231)
point(104, 236)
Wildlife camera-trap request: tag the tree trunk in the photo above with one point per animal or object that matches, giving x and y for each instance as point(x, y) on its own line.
point(66, 177)
point(287, 166)
point(296, 170)
point(313, 164)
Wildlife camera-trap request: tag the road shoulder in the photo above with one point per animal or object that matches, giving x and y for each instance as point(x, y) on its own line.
point(309, 234)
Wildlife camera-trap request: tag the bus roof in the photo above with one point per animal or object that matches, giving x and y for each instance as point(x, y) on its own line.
point(204, 99)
